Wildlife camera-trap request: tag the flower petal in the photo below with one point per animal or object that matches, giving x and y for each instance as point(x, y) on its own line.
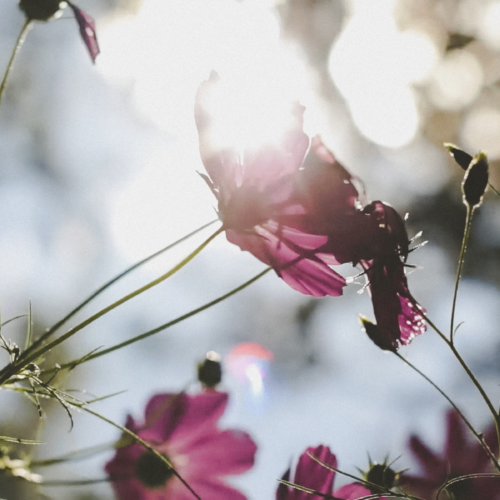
point(311, 474)
point(304, 272)
point(353, 492)
point(227, 452)
point(87, 30)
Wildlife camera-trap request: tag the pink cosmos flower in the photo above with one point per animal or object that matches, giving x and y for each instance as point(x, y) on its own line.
point(184, 429)
point(259, 209)
point(460, 456)
point(298, 210)
point(314, 476)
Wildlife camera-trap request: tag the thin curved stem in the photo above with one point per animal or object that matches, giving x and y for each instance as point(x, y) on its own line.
point(32, 354)
point(466, 368)
point(17, 47)
point(463, 249)
point(160, 328)
point(477, 435)
point(61, 322)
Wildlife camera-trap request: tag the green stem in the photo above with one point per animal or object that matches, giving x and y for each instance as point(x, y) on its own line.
point(461, 259)
point(77, 362)
point(477, 435)
point(19, 42)
point(61, 322)
point(467, 370)
point(31, 356)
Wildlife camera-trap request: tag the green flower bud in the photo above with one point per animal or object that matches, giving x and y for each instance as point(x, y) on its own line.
point(475, 181)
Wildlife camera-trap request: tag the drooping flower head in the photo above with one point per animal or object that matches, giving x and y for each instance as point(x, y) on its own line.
point(184, 429)
point(314, 476)
point(399, 317)
point(44, 10)
point(460, 456)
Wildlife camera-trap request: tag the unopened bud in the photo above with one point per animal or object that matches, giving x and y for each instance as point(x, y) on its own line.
point(372, 330)
point(41, 10)
point(381, 475)
point(210, 370)
point(461, 157)
point(475, 181)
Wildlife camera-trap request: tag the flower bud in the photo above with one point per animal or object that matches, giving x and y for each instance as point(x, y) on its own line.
point(461, 157)
point(210, 370)
point(41, 10)
point(475, 181)
point(372, 330)
point(381, 475)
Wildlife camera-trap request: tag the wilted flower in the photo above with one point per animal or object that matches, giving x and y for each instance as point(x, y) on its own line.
point(399, 317)
point(43, 10)
point(314, 476)
point(461, 456)
point(184, 429)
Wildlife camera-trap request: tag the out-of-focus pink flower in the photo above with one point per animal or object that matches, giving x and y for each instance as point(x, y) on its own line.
point(314, 476)
point(399, 317)
point(460, 456)
point(260, 209)
point(184, 429)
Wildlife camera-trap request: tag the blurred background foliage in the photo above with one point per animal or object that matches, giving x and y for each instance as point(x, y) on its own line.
point(98, 169)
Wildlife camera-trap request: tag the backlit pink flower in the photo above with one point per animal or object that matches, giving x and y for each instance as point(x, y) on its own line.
point(260, 209)
point(314, 476)
point(184, 429)
point(461, 456)
point(297, 209)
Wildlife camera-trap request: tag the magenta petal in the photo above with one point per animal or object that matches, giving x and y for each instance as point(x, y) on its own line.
point(227, 452)
point(311, 474)
point(310, 276)
point(209, 490)
point(200, 417)
point(87, 30)
point(353, 492)
point(411, 320)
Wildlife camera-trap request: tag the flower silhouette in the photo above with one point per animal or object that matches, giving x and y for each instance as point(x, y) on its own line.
point(461, 456)
point(183, 428)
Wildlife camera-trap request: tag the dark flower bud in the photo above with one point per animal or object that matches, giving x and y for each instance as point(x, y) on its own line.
point(381, 475)
point(373, 331)
point(210, 370)
point(475, 181)
point(461, 157)
point(41, 10)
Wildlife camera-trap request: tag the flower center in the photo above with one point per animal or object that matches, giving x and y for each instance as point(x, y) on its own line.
point(151, 471)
